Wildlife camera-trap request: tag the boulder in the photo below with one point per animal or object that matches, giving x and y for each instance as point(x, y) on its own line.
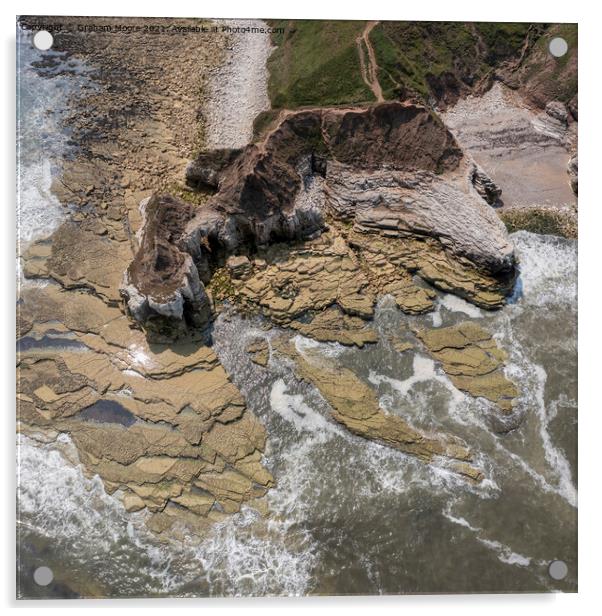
point(485, 186)
point(239, 266)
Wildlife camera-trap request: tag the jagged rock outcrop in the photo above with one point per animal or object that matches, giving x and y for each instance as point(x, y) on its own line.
point(206, 170)
point(486, 187)
point(392, 170)
point(573, 171)
point(558, 111)
point(161, 287)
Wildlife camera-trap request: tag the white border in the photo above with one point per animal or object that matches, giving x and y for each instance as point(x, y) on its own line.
point(590, 281)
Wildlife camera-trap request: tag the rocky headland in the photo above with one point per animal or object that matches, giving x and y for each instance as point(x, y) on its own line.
point(332, 208)
point(308, 224)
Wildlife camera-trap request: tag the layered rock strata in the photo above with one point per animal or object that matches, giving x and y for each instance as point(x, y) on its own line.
point(162, 426)
point(473, 362)
point(355, 405)
point(392, 172)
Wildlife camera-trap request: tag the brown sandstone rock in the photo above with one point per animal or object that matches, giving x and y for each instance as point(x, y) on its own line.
point(355, 405)
point(473, 361)
point(188, 423)
point(80, 259)
point(332, 325)
point(260, 351)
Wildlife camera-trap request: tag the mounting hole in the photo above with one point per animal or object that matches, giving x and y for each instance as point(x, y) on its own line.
point(42, 576)
point(558, 47)
point(43, 40)
point(558, 569)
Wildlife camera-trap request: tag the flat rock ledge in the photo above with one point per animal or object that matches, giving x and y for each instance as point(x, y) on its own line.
point(355, 405)
point(387, 187)
point(161, 425)
point(473, 362)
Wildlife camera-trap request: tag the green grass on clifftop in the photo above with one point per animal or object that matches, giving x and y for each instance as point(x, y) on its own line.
point(427, 58)
point(316, 63)
point(553, 78)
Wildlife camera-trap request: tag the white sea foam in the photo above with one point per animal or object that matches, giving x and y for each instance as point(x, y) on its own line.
point(246, 554)
point(532, 378)
point(436, 317)
point(424, 370)
point(293, 408)
point(456, 304)
point(56, 500)
point(39, 211)
point(503, 552)
point(459, 520)
point(139, 356)
point(548, 268)
point(312, 459)
point(41, 140)
point(306, 346)
point(554, 455)
point(563, 401)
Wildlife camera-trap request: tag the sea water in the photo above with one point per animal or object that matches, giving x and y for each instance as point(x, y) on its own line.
point(45, 81)
point(346, 515)
point(349, 515)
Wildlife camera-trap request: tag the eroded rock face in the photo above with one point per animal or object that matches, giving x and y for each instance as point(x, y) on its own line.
point(392, 171)
point(486, 187)
point(206, 170)
point(161, 287)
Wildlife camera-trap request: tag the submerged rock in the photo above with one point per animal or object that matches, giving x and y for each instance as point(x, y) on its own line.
point(259, 349)
point(332, 325)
